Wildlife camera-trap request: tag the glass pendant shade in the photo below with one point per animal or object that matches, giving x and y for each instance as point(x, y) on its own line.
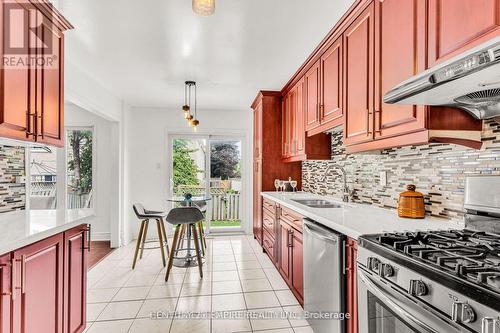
point(204, 7)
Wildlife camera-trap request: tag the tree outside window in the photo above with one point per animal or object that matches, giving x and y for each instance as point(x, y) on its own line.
point(79, 157)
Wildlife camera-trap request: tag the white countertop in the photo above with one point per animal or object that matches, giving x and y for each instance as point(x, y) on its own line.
point(355, 219)
point(22, 228)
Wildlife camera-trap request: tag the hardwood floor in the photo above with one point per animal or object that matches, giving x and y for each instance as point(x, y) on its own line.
point(98, 250)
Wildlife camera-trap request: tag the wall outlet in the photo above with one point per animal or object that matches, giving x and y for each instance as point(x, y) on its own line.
point(383, 178)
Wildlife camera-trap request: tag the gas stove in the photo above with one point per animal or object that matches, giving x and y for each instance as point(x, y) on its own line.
point(435, 281)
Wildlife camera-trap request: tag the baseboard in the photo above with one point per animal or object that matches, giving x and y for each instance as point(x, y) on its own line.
point(100, 236)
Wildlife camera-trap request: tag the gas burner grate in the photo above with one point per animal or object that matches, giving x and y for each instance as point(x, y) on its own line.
point(467, 254)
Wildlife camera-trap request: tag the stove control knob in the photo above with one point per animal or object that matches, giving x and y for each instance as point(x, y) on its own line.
point(462, 313)
point(490, 325)
point(417, 288)
point(385, 270)
point(372, 263)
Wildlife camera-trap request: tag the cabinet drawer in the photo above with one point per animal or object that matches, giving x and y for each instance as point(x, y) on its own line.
point(291, 217)
point(268, 222)
point(269, 244)
point(269, 205)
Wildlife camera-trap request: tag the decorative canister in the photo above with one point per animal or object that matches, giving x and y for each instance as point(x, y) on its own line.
point(411, 203)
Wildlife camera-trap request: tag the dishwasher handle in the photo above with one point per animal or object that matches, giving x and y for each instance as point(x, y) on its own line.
point(319, 232)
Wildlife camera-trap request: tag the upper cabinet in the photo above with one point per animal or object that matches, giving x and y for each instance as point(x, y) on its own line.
point(32, 100)
point(296, 145)
point(457, 25)
point(323, 91)
point(358, 78)
point(399, 54)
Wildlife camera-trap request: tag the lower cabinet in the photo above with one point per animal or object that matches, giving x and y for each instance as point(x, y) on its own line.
point(5, 293)
point(75, 281)
point(290, 258)
point(44, 285)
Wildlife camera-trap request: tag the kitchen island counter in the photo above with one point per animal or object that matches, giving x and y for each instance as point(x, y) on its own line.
point(20, 229)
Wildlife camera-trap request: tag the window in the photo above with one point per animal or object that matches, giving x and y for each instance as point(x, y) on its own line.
point(80, 160)
point(43, 178)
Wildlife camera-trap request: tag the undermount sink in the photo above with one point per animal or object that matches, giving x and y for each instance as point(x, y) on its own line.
point(317, 203)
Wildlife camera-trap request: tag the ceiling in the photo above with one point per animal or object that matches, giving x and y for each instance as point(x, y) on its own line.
point(143, 51)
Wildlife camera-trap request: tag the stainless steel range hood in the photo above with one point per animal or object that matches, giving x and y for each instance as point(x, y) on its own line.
point(470, 81)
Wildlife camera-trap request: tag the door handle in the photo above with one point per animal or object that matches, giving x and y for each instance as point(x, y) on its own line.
point(8, 293)
point(88, 231)
point(23, 274)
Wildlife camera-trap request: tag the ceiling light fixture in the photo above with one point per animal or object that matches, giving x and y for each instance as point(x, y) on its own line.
point(204, 7)
point(186, 108)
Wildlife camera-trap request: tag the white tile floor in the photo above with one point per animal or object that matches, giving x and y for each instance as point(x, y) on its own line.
point(238, 278)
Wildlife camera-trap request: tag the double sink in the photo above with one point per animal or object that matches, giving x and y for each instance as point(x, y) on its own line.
point(317, 203)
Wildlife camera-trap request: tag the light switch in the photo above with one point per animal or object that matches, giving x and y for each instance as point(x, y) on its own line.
point(383, 178)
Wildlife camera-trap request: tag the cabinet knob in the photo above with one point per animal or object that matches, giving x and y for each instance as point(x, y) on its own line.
point(417, 288)
point(372, 263)
point(462, 313)
point(490, 325)
point(385, 270)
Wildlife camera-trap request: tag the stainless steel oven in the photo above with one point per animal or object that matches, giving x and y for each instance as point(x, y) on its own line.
point(383, 308)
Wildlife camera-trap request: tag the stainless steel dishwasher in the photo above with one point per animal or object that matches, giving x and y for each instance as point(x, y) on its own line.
point(324, 276)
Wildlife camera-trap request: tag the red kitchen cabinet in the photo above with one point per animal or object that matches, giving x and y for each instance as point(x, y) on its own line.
point(358, 78)
point(312, 96)
point(331, 110)
point(39, 286)
point(352, 285)
point(268, 162)
point(5, 294)
point(399, 54)
point(284, 253)
point(51, 115)
point(458, 25)
point(290, 256)
point(75, 279)
point(323, 91)
point(297, 264)
point(257, 200)
point(32, 101)
point(15, 80)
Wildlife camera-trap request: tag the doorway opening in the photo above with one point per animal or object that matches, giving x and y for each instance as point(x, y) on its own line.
point(211, 166)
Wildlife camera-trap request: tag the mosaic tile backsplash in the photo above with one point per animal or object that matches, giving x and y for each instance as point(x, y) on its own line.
point(438, 171)
point(12, 195)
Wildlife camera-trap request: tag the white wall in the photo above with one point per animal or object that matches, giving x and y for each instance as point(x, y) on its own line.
point(147, 165)
point(106, 173)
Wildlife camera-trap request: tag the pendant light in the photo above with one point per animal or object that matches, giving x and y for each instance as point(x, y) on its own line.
point(190, 117)
point(204, 7)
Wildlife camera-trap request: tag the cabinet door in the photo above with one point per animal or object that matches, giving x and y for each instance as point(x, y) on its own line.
point(331, 85)
point(257, 200)
point(286, 126)
point(15, 78)
point(358, 78)
point(457, 25)
point(311, 82)
point(399, 53)
point(51, 113)
point(297, 263)
point(299, 143)
point(75, 291)
point(38, 305)
point(284, 253)
point(5, 291)
point(257, 131)
point(352, 285)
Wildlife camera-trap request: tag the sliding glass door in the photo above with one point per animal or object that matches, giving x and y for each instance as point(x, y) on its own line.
point(210, 165)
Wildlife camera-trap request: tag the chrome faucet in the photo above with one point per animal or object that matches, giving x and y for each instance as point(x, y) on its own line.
point(346, 192)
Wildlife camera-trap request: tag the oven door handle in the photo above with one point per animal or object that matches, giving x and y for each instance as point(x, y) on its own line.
point(386, 298)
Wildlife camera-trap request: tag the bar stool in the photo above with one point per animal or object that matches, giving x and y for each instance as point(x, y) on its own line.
point(202, 205)
point(186, 218)
point(145, 216)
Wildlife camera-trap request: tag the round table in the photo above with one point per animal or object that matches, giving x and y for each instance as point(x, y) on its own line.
point(189, 201)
